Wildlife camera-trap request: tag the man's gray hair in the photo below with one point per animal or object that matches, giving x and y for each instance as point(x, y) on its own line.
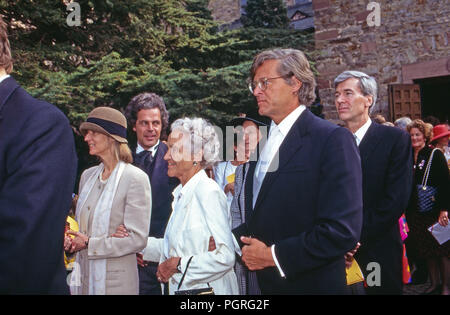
point(402, 122)
point(367, 84)
point(292, 62)
point(203, 138)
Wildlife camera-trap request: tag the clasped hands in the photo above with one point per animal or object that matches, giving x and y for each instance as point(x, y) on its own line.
point(256, 255)
point(75, 241)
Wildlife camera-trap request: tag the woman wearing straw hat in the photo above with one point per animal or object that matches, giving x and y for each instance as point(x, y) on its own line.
point(114, 196)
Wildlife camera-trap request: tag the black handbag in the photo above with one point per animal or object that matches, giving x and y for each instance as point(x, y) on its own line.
point(426, 195)
point(204, 291)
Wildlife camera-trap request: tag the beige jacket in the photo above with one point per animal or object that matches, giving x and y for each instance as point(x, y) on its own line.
point(131, 207)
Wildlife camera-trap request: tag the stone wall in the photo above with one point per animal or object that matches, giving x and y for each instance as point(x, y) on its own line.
point(225, 11)
point(410, 32)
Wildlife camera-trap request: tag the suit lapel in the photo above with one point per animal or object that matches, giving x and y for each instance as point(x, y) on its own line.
point(369, 142)
point(290, 145)
point(156, 164)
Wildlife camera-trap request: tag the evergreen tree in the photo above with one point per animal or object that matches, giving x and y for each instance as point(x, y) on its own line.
point(123, 48)
point(265, 14)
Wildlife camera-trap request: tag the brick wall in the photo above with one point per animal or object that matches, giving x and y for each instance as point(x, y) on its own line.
point(411, 32)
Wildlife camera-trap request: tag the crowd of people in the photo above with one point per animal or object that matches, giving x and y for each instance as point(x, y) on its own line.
point(289, 214)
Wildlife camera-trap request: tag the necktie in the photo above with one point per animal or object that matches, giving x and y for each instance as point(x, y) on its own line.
point(144, 159)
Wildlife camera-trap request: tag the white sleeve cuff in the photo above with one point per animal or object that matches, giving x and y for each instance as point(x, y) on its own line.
point(272, 248)
point(237, 249)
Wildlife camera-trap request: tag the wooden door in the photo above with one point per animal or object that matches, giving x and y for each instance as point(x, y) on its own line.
point(404, 100)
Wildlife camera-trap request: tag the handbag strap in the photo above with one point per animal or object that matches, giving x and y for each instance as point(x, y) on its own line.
point(184, 274)
point(427, 169)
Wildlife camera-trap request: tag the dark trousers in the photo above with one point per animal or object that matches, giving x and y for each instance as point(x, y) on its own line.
point(148, 283)
point(391, 270)
point(356, 289)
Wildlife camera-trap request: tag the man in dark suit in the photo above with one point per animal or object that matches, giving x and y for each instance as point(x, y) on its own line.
point(387, 165)
point(148, 116)
point(303, 196)
point(37, 175)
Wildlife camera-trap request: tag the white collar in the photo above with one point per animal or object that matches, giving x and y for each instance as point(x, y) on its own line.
point(286, 124)
point(4, 77)
point(189, 187)
point(153, 149)
point(360, 133)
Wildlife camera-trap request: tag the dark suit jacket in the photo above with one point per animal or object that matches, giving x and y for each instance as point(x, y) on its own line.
point(310, 208)
point(37, 175)
point(162, 187)
point(387, 165)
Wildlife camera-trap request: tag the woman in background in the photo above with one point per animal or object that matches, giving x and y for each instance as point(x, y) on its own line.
point(420, 239)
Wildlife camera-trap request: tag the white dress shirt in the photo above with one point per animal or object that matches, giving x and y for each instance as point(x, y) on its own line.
point(361, 132)
point(269, 153)
point(221, 173)
point(153, 149)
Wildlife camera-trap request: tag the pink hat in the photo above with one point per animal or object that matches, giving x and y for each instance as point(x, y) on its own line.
point(440, 131)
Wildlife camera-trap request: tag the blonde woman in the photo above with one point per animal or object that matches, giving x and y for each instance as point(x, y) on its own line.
point(114, 196)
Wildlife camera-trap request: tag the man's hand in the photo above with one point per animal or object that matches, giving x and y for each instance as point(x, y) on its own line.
point(349, 256)
point(255, 254)
point(167, 268)
point(140, 260)
point(212, 244)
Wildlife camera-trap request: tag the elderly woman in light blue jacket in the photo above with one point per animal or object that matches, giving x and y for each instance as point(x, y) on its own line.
point(199, 212)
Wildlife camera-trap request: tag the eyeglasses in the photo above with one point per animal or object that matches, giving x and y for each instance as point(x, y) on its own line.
point(261, 83)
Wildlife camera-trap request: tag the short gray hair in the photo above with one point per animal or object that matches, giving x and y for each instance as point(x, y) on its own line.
point(203, 137)
point(292, 62)
point(402, 122)
point(367, 84)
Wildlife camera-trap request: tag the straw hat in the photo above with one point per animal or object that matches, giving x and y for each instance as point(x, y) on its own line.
point(108, 121)
point(440, 131)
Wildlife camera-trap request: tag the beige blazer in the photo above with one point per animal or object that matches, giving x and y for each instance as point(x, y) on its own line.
point(131, 207)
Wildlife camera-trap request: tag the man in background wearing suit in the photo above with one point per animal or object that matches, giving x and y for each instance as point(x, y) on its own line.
point(148, 116)
point(303, 196)
point(387, 166)
point(38, 165)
